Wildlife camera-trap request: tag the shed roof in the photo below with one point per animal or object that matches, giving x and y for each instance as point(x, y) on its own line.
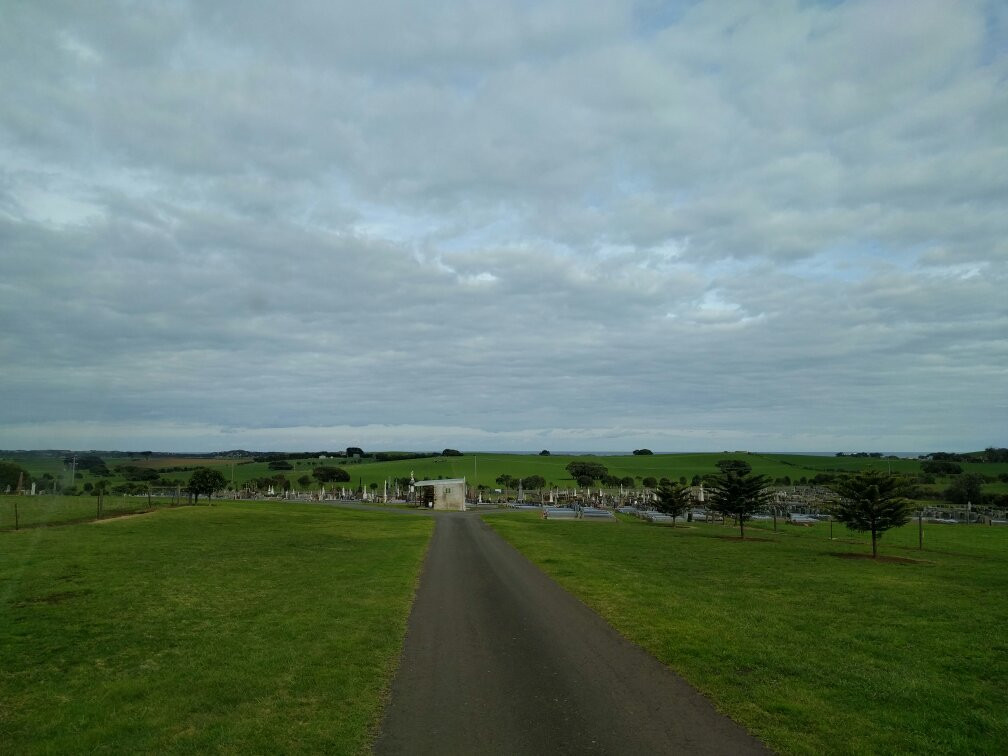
point(443, 481)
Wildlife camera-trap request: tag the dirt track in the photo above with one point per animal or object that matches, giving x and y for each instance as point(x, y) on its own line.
point(500, 659)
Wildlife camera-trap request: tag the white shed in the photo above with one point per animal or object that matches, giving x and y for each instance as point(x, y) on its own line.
point(442, 494)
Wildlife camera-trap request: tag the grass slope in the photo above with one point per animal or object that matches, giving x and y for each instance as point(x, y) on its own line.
point(239, 628)
point(813, 653)
point(485, 468)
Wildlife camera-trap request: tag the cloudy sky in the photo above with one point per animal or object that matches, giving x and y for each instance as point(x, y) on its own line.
point(504, 226)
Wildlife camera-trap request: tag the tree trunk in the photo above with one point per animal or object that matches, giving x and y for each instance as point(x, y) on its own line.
point(741, 524)
point(874, 550)
point(673, 521)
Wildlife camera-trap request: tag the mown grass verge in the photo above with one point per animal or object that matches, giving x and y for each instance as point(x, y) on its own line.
point(44, 510)
point(811, 652)
point(239, 628)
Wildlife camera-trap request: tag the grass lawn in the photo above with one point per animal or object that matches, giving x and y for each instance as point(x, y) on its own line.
point(235, 628)
point(812, 652)
point(33, 511)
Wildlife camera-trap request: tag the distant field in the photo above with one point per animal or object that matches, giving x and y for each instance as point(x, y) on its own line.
point(813, 652)
point(238, 628)
point(484, 469)
point(161, 462)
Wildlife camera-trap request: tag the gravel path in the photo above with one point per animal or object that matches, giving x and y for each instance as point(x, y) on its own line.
point(500, 659)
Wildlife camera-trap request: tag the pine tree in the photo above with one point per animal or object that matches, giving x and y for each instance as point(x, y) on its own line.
point(737, 493)
point(674, 499)
point(872, 501)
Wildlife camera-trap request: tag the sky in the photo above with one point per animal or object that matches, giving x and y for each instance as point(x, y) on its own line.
point(687, 226)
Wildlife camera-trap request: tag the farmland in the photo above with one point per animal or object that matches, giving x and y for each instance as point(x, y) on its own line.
point(484, 469)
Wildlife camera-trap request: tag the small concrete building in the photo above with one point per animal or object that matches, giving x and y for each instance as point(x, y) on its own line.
point(442, 494)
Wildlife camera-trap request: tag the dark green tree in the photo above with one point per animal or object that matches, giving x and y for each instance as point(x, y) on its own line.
point(966, 488)
point(10, 474)
point(871, 501)
point(533, 482)
point(736, 465)
point(544, 453)
point(593, 470)
point(736, 492)
point(205, 481)
point(325, 474)
point(674, 499)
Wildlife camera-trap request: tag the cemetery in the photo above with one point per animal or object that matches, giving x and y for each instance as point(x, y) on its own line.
point(789, 602)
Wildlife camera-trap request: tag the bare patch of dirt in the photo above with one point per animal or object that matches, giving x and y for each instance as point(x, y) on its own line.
point(53, 598)
point(113, 516)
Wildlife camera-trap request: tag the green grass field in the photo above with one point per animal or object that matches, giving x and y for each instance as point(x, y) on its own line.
point(33, 511)
point(238, 628)
point(814, 652)
point(484, 469)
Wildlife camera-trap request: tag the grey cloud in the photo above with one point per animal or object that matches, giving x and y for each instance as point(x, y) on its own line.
point(784, 226)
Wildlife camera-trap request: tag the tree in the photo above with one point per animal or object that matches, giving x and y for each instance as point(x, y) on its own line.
point(642, 452)
point(593, 470)
point(941, 467)
point(324, 474)
point(205, 481)
point(871, 501)
point(354, 451)
point(544, 453)
point(507, 481)
point(649, 482)
point(737, 465)
point(533, 482)
point(674, 499)
point(451, 453)
point(10, 474)
point(304, 481)
point(736, 492)
point(966, 488)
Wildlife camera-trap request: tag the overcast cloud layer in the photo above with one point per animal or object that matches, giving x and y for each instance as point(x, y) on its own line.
point(597, 226)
